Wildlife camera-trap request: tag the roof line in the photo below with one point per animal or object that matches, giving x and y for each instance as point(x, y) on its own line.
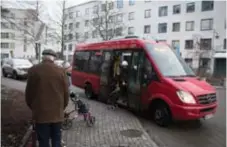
point(91, 1)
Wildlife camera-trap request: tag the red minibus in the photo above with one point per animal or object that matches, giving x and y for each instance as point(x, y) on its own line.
point(159, 81)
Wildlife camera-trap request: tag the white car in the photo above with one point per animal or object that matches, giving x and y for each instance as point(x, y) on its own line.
point(17, 68)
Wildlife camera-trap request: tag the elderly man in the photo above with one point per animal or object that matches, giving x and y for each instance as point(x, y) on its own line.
point(47, 96)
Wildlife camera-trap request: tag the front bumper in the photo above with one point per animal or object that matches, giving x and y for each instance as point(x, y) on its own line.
point(180, 112)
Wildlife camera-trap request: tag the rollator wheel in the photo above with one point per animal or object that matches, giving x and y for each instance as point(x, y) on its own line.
point(67, 124)
point(91, 121)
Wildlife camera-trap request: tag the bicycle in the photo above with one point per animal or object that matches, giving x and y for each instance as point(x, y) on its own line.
point(82, 110)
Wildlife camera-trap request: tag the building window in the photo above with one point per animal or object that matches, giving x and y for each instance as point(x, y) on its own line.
point(77, 36)
point(70, 36)
point(95, 9)
point(94, 34)
point(25, 44)
point(86, 23)
point(65, 37)
point(175, 44)
point(131, 16)
point(147, 29)
point(189, 25)
point(189, 61)
point(205, 44)
point(4, 35)
point(119, 18)
point(71, 26)
point(111, 5)
point(206, 24)
point(65, 26)
point(71, 15)
point(204, 62)
point(131, 31)
point(207, 5)
point(147, 13)
point(77, 13)
point(120, 4)
point(188, 44)
point(190, 7)
point(163, 11)
point(176, 27)
point(224, 44)
point(131, 2)
point(86, 36)
point(77, 24)
point(70, 47)
point(4, 45)
point(176, 9)
point(64, 47)
point(110, 33)
point(162, 27)
point(119, 31)
point(87, 11)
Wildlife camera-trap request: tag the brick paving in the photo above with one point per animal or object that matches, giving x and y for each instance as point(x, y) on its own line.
point(107, 130)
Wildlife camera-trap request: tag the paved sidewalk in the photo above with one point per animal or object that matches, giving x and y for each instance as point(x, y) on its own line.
point(107, 131)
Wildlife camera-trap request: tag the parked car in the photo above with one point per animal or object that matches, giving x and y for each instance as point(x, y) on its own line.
point(17, 68)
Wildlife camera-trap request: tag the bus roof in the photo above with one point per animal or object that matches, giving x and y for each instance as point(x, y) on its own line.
point(131, 43)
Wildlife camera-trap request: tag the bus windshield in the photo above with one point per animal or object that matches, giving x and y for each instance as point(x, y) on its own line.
point(169, 64)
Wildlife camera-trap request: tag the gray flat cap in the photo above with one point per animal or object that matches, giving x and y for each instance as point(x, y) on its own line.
point(49, 52)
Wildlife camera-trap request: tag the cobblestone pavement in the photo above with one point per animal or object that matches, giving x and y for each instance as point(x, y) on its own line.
point(107, 130)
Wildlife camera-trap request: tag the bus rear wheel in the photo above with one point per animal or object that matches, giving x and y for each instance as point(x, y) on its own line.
point(89, 91)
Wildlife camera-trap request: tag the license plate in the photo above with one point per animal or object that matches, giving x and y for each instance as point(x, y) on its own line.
point(208, 116)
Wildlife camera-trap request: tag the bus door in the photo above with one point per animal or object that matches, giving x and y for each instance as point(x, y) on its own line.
point(105, 77)
point(134, 82)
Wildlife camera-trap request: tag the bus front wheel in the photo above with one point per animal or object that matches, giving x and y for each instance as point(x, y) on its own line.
point(161, 114)
point(88, 91)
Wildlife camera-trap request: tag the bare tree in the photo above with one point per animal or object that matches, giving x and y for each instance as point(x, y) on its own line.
point(199, 53)
point(107, 22)
point(56, 32)
point(26, 24)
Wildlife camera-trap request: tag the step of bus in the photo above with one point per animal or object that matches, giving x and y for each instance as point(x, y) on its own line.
point(122, 102)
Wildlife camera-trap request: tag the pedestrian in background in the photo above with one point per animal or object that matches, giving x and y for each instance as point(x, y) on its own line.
point(47, 96)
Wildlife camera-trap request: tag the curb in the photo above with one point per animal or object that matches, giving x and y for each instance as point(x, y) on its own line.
point(26, 137)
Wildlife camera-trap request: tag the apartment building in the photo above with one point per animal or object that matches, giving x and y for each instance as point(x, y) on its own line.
point(19, 30)
point(197, 30)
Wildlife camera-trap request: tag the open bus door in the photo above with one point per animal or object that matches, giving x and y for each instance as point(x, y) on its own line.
point(105, 77)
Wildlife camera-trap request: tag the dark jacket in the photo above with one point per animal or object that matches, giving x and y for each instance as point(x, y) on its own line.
point(47, 92)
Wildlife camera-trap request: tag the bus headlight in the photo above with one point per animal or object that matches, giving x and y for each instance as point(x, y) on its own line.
point(186, 97)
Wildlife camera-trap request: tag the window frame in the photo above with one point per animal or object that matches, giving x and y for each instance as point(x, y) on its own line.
point(202, 43)
point(149, 14)
point(159, 27)
point(145, 32)
point(133, 14)
point(187, 6)
point(174, 8)
point(162, 8)
point(173, 29)
point(193, 22)
point(206, 19)
point(203, 7)
point(186, 46)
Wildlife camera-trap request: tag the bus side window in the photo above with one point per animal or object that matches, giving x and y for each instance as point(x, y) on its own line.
point(95, 63)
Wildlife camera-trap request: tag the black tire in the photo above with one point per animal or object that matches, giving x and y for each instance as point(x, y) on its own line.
point(4, 73)
point(89, 91)
point(15, 76)
point(162, 115)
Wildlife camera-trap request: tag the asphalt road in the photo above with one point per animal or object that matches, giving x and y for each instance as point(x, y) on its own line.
point(210, 133)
